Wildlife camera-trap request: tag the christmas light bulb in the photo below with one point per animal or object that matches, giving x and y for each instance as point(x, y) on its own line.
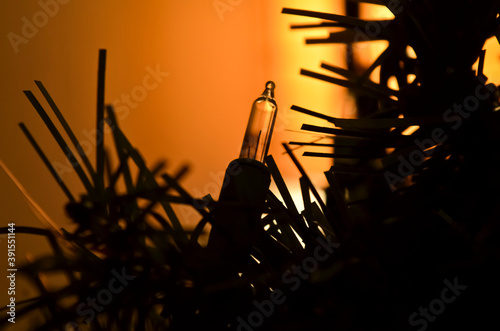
point(260, 126)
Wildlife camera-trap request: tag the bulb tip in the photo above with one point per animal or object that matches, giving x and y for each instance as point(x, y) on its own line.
point(270, 85)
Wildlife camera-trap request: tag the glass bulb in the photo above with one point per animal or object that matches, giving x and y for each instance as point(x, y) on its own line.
point(260, 125)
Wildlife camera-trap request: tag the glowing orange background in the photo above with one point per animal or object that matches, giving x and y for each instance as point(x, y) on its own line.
point(217, 64)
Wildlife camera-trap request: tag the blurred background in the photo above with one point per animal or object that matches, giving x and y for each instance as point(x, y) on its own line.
point(211, 59)
point(182, 76)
